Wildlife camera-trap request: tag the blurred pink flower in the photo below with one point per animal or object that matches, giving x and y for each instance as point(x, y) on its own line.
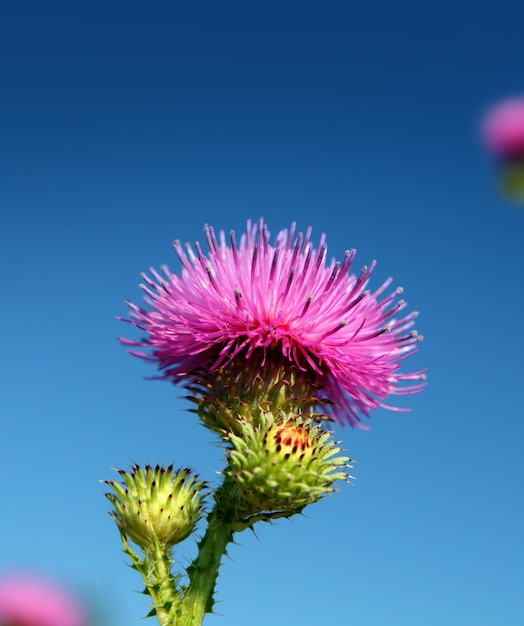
point(503, 129)
point(284, 303)
point(26, 600)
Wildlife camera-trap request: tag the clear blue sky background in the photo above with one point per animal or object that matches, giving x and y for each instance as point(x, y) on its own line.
point(126, 125)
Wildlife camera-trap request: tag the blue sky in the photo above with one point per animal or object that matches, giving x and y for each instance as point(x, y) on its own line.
point(126, 125)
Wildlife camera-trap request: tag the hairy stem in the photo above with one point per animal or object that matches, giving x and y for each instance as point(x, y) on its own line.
point(155, 569)
point(162, 590)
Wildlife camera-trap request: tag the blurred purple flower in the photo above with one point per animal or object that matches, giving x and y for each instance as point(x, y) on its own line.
point(26, 600)
point(503, 129)
point(283, 303)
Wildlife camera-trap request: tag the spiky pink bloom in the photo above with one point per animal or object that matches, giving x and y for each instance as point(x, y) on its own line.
point(503, 129)
point(282, 301)
point(26, 600)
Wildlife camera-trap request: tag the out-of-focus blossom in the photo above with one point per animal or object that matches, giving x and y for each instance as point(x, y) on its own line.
point(253, 303)
point(27, 600)
point(503, 135)
point(503, 129)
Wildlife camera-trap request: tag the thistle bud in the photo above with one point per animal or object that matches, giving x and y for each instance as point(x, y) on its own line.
point(156, 504)
point(283, 466)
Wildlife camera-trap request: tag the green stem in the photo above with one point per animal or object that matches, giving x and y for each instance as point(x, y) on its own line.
point(203, 572)
point(155, 569)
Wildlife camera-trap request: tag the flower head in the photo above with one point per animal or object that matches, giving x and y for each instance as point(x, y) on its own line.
point(503, 129)
point(252, 304)
point(26, 600)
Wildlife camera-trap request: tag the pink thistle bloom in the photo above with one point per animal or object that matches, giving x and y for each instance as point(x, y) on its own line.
point(503, 129)
point(279, 301)
point(29, 601)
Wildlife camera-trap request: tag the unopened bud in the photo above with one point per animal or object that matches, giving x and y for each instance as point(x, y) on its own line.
point(156, 504)
point(285, 466)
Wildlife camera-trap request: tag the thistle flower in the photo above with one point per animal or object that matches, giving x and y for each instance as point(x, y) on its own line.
point(253, 305)
point(27, 600)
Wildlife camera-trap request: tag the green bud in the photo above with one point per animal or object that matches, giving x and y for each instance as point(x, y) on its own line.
point(283, 465)
point(156, 505)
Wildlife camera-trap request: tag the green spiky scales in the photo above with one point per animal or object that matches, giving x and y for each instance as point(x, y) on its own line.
point(283, 466)
point(156, 504)
point(228, 396)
